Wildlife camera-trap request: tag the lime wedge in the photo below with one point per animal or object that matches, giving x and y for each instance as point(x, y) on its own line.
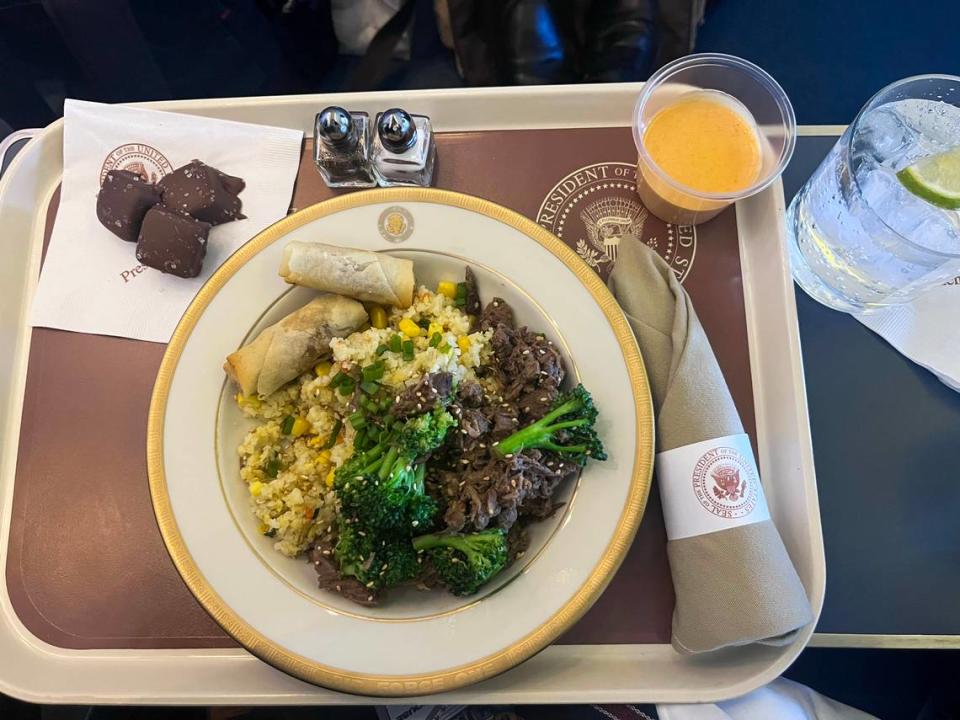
point(936, 179)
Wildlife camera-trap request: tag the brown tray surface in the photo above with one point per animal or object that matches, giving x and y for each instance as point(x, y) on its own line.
point(86, 565)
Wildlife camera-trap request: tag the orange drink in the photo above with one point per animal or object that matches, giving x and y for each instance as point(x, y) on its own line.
point(701, 148)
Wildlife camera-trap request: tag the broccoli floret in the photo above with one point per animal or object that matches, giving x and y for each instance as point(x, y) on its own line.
point(384, 486)
point(568, 430)
point(378, 561)
point(383, 501)
point(465, 562)
point(423, 434)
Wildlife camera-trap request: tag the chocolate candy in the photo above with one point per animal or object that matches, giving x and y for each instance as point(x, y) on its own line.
point(203, 192)
point(123, 200)
point(172, 242)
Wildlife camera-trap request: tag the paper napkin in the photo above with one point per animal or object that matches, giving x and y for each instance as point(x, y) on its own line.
point(924, 330)
point(91, 281)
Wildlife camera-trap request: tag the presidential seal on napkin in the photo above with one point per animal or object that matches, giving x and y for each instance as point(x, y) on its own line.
point(91, 280)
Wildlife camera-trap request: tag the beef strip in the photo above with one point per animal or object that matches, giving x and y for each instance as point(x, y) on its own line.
point(497, 490)
point(472, 305)
point(473, 423)
point(470, 394)
point(505, 418)
point(496, 313)
point(518, 540)
point(431, 391)
point(529, 368)
point(536, 403)
point(328, 577)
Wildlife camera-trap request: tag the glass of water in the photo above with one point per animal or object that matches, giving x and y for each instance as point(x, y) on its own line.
point(859, 239)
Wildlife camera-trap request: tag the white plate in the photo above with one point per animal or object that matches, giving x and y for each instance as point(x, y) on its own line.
point(415, 643)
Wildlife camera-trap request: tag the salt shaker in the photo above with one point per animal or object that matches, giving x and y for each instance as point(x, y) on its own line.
point(403, 149)
point(341, 148)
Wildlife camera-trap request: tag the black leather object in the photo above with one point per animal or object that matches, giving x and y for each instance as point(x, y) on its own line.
point(619, 40)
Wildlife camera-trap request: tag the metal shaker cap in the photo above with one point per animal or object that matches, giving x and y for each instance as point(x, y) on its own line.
point(396, 129)
point(335, 126)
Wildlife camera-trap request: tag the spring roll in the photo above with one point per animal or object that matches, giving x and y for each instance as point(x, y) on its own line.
point(290, 347)
point(360, 274)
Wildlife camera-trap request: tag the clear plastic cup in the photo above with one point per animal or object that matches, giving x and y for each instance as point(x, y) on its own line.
point(751, 92)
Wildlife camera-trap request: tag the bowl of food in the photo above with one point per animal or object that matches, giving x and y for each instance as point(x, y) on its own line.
point(397, 467)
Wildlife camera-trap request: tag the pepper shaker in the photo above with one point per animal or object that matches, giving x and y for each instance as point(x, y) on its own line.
point(341, 148)
point(403, 149)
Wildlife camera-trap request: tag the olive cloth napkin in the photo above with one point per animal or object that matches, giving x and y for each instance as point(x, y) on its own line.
point(734, 582)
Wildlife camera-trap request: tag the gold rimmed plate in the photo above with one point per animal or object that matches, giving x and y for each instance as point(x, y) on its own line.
point(415, 642)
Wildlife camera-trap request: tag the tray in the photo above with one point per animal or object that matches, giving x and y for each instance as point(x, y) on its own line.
point(51, 649)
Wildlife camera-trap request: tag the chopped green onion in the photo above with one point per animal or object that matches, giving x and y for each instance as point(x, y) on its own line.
point(339, 378)
point(381, 349)
point(461, 297)
point(408, 350)
point(444, 347)
point(286, 427)
point(347, 386)
point(273, 467)
point(386, 404)
point(370, 386)
point(357, 420)
point(395, 343)
point(424, 323)
point(370, 406)
point(435, 339)
point(374, 371)
point(332, 440)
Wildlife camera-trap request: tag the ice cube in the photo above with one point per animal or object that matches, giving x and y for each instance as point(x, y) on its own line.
point(883, 136)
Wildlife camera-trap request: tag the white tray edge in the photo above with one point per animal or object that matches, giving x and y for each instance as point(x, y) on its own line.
point(33, 670)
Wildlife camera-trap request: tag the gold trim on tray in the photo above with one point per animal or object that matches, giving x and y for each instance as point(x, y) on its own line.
point(483, 668)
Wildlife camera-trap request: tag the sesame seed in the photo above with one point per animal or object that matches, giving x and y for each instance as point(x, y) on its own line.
point(543, 399)
point(370, 597)
point(508, 456)
point(337, 587)
point(486, 477)
point(525, 352)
